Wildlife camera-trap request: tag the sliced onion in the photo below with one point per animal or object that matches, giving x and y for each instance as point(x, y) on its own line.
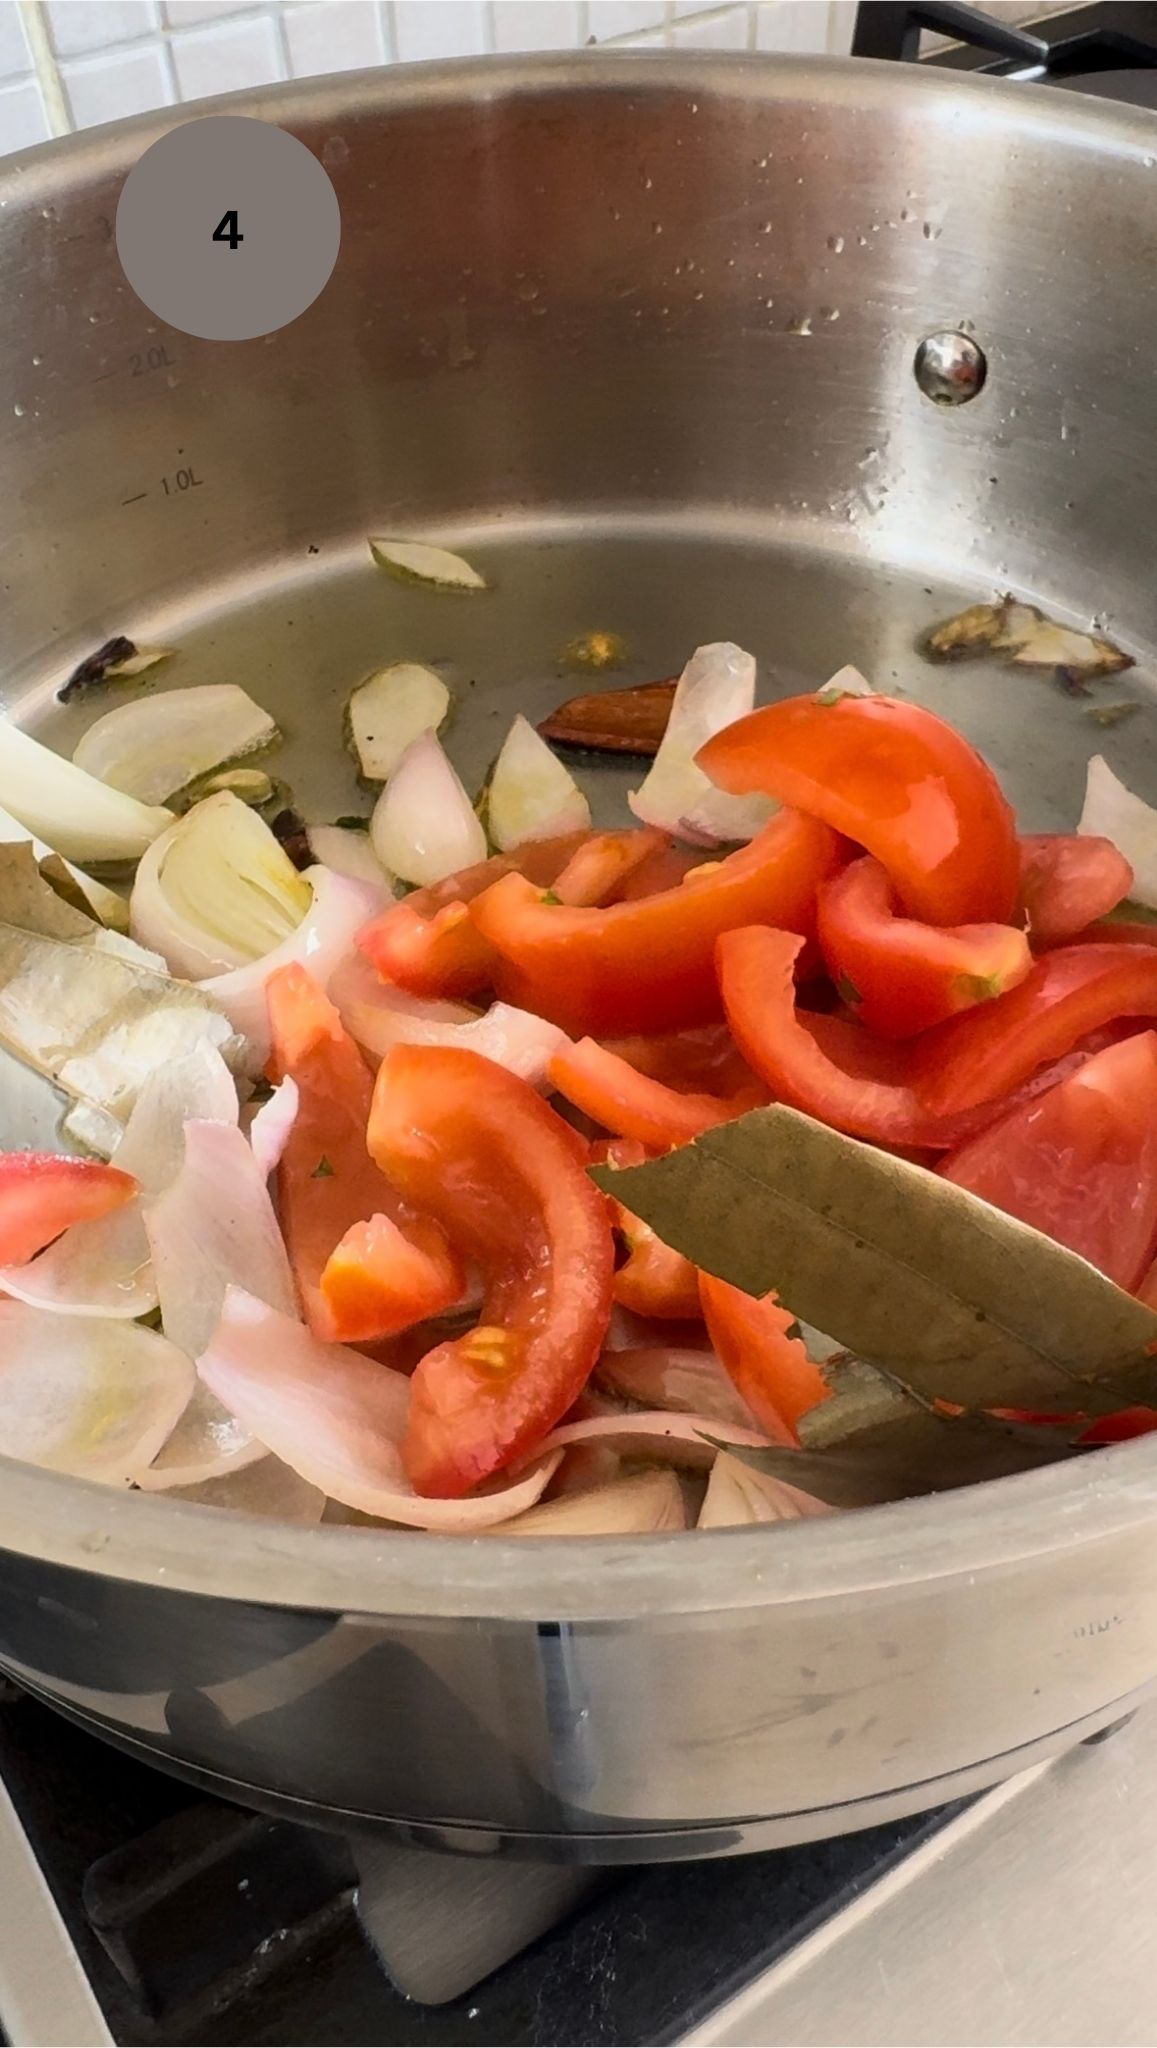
point(424, 826)
point(672, 1439)
point(416, 561)
point(104, 1268)
point(338, 909)
point(716, 687)
point(736, 1495)
point(1112, 812)
point(213, 1228)
point(216, 890)
point(646, 1504)
point(389, 711)
point(267, 1488)
point(85, 1396)
point(847, 682)
point(75, 814)
point(349, 853)
point(269, 1131)
point(379, 1016)
point(338, 1419)
point(682, 1381)
point(104, 903)
point(532, 795)
point(157, 745)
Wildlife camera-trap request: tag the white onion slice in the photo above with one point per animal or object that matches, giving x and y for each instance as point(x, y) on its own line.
point(379, 1016)
point(349, 853)
point(673, 1439)
point(103, 1268)
point(338, 1419)
point(267, 1488)
point(716, 687)
point(646, 1504)
point(214, 1227)
point(1112, 812)
point(216, 891)
point(737, 1495)
point(105, 904)
point(339, 908)
point(157, 745)
point(847, 682)
point(532, 795)
point(424, 825)
point(417, 561)
point(270, 1128)
point(675, 1378)
point(81, 1395)
point(78, 816)
point(390, 710)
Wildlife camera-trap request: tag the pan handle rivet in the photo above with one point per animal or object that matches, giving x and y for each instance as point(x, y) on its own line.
point(950, 367)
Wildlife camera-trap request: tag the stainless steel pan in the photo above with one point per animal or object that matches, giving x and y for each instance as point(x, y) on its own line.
point(640, 335)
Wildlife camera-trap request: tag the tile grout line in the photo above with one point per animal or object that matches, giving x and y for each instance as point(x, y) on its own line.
point(45, 66)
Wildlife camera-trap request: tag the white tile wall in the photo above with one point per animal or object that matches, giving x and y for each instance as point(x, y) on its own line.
point(68, 64)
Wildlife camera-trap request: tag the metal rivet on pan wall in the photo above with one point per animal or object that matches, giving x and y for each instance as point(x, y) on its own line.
point(950, 367)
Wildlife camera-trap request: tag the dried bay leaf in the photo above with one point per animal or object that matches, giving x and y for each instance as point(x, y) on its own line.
point(952, 1298)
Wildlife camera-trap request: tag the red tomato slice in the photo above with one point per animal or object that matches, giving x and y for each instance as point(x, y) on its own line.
point(427, 943)
point(1067, 882)
point(769, 1367)
point(632, 1105)
point(1116, 932)
point(647, 966)
point(341, 1218)
point(1080, 1163)
point(42, 1193)
point(900, 976)
point(655, 1281)
point(898, 780)
point(704, 1060)
point(1071, 992)
point(506, 1178)
point(827, 1066)
point(602, 869)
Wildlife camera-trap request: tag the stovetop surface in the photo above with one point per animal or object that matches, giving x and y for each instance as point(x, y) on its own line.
point(224, 1927)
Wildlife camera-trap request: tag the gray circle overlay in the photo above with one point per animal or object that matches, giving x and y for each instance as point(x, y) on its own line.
point(181, 191)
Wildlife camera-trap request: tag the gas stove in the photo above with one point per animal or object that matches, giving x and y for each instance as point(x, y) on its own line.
point(135, 1911)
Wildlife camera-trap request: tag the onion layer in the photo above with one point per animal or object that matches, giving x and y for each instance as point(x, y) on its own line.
point(81, 1395)
point(716, 687)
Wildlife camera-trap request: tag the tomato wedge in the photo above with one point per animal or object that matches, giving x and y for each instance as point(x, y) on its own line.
point(647, 966)
point(654, 1281)
point(632, 1105)
point(43, 1193)
point(600, 870)
point(427, 943)
point(1076, 990)
point(1067, 881)
point(705, 1059)
point(827, 1066)
point(1117, 931)
point(898, 780)
point(506, 1178)
point(900, 976)
point(769, 1367)
point(365, 1263)
point(1080, 1163)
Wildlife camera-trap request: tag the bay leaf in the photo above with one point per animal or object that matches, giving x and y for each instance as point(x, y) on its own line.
point(952, 1298)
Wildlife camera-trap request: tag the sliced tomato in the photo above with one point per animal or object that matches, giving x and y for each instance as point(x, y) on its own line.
point(43, 1193)
point(768, 1364)
point(899, 781)
point(427, 943)
point(506, 1178)
point(662, 869)
point(1080, 1163)
point(647, 966)
point(899, 976)
point(600, 870)
point(828, 1066)
point(1067, 881)
point(1117, 931)
point(365, 1262)
point(705, 1060)
point(654, 1281)
point(633, 1105)
point(1074, 991)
